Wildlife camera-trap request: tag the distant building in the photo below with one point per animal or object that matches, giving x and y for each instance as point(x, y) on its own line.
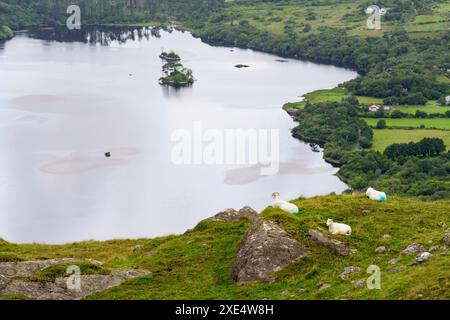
point(374, 108)
point(447, 100)
point(387, 108)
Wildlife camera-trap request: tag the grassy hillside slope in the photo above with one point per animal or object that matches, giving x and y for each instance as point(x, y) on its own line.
point(197, 264)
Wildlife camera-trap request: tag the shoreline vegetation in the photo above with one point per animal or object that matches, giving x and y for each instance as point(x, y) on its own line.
point(5, 33)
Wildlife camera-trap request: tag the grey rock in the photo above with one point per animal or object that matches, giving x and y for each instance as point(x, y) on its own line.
point(231, 215)
point(380, 249)
point(336, 246)
point(349, 271)
point(28, 268)
point(394, 261)
point(324, 286)
point(422, 257)
point(285, 293)
point(397, 269)
point(413, 249)
point(138, 247)
point(446, 238)
point(360, 283)
point(433, 248)
point(266, 248)
point(301, 290)
point(387, 236)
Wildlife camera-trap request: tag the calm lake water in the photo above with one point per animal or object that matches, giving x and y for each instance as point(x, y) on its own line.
point(63, 104)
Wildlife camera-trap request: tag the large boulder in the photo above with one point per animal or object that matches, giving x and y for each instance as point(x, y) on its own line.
point(266, 248)
point(336, 246)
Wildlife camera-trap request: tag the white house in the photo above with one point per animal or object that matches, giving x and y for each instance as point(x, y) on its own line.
point(374, 108)
point(447, 100)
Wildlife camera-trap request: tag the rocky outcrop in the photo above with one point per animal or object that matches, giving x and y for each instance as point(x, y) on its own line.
point(349, 272)
point(336, 246)
point(266, 248)
point(28, 268)
point(413, 248)
point(231, 215)
point(14, 280)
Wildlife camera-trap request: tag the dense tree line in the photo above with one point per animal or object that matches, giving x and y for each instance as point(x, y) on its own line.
point(425, 177)
point(24, 13)
point(427, 147)
point(335, 126)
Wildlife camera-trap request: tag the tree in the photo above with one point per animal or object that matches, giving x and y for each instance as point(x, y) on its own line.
point(381, 124)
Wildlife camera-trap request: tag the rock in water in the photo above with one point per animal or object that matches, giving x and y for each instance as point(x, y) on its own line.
point(266, 248)
point(108, 154)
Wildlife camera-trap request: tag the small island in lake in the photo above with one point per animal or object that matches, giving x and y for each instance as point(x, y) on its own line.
point(176, 75)
point(170, 56)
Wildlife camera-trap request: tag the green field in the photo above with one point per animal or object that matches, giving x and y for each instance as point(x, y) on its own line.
point(273, 17)
point(438, 19)
point(333, 95)
point(439, 123)
point(385, 137)
point(428, 109)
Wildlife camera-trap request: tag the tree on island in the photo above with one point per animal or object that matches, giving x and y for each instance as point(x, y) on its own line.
point(176, 75)
point(170, 57)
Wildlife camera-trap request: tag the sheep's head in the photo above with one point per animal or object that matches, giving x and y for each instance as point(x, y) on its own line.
point(329, 222)
point(275, 195)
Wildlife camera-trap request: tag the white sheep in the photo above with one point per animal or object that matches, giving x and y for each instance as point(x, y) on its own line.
point(283, 205)
point(338, 228)
point(376, 195)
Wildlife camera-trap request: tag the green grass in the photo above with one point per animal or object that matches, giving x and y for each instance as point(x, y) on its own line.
point(9, 257)
point(428, 109)
point(197, 265)
point(437, 20)
point(385, 137)
point(438, 123)
point(344, 15)
point(331, 95)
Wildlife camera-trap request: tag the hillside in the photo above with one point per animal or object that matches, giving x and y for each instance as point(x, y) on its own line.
point(197, 264)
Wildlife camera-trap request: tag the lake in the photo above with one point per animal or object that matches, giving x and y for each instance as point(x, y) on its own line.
point(67, 99)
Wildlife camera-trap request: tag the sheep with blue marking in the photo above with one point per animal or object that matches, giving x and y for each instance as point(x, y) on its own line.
point(376, 195)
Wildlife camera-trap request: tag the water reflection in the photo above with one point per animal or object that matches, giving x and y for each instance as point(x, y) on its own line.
point(103, 36)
